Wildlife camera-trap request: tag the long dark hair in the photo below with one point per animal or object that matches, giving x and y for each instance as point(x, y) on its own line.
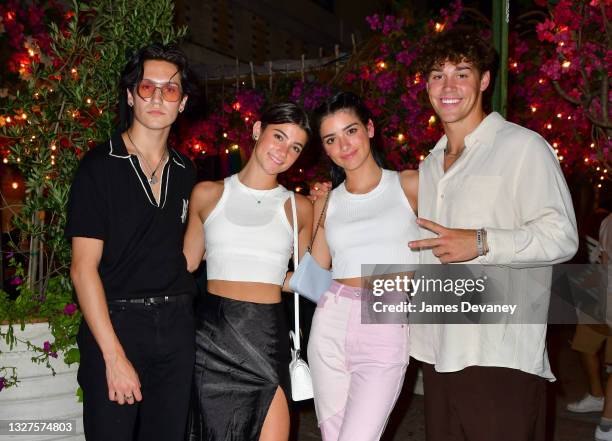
point(345, 101)
point(134, 70)
point(286, 113)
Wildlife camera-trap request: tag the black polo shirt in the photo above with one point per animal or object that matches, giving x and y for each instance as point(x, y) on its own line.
point(111, 200)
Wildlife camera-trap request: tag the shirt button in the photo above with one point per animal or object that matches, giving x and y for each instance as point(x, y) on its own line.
point(442, 196)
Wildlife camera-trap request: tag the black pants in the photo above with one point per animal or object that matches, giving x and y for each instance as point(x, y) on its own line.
point(484, 404)
point(159, 342)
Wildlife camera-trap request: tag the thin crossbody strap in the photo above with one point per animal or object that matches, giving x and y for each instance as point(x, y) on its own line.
point(296, 296)
point(319, 222)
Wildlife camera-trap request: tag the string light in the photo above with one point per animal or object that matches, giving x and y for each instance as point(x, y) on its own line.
point(15, 185)
point(566, 64)
point(226, 151)
point(18, 159)
point(422, 157)
point(400, 137)
point(24, 116)
point(541, 81)
point(439, 27)
point(515, 65)
point(5, 160)
point(197, 147)
point(301, 170)
point(561, 158)
point(225, 135)
point(592, 144)
point(598, 185)
point(432, 119)
point(549, 126)
point(298, 189)
point(559, 115)
point(30, 52)
point(533, 109)
point(246, 118)
point(53, 147)
point(586, 160)
point(235, 147)
point(88, 100)
point(8, 119)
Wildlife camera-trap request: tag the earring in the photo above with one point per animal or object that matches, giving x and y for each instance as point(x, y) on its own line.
point(130, 104)
point(255, 137)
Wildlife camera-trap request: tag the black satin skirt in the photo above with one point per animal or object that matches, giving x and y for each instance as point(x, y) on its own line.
point(242, 357)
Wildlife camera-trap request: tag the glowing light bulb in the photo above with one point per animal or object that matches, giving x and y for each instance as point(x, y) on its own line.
point(5, 160)
point(225, 135)
point(566, 64)
point(88, 100)
point(422, 157)
point(549, 126)
point(382, 65)
point(439, 27)
point(559, 115)
point(15, 185)
point(400, 137)
point(533, 109)
point(432, 119)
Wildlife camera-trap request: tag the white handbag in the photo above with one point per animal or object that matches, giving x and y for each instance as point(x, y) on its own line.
point(301, 382)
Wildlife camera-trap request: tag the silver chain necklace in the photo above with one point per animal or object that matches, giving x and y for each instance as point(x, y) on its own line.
point(153, 179)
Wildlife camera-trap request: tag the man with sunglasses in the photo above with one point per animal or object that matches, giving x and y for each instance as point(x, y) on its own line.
point(126, 218)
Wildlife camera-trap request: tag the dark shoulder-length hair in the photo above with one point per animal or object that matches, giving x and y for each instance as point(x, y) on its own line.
point(134, 70)
point(286, 113)
point(345, 101)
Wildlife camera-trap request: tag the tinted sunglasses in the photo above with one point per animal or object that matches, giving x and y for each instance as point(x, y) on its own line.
point(169, 91)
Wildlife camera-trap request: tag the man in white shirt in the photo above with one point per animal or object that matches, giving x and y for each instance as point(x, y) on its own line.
point(490, 192)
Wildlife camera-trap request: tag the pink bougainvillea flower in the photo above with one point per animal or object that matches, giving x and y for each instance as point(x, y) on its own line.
point(70, 309)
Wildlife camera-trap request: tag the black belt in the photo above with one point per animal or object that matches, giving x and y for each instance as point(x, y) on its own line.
point(151, 300)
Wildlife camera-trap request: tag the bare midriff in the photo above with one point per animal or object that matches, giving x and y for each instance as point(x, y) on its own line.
point(353, 281)
point(254, 292)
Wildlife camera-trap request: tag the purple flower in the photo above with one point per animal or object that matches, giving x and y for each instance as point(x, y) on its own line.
point(47, 349)
point(41, 298)
point(16, 281)
point(9, 255)
point(70, 309)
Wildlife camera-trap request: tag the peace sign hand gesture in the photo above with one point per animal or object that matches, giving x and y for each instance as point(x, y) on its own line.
point(451, 245)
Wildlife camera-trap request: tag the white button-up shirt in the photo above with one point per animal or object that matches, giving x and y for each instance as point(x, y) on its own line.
point(508, 181)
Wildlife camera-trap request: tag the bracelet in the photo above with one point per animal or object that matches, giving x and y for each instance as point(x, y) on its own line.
point(481, 239)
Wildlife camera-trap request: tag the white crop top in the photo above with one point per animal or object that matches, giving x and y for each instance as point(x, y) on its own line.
point(370, 228)
point(247, 240)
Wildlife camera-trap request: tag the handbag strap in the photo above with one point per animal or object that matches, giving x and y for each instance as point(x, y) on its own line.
point(296, 296)
point(319, 222)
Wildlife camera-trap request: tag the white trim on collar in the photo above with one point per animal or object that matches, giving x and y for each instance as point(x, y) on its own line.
point(110, 152)
point(175, 155)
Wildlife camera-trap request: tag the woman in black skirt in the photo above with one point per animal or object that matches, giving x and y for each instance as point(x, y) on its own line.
point(244, 227)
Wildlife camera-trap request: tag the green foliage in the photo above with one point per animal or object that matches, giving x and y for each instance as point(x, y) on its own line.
point(66, 105)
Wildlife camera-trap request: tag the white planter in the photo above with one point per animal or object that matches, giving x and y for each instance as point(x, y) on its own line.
point(39, 395)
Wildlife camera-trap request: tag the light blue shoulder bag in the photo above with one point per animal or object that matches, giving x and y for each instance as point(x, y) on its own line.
point(310, 280)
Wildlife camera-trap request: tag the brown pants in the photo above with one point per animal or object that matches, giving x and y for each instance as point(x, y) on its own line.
point(484, 404)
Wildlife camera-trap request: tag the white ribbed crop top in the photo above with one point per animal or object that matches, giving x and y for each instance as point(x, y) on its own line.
point(370, 228)
point(247, 240)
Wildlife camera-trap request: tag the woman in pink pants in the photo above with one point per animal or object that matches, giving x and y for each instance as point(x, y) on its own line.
point(358, 369)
